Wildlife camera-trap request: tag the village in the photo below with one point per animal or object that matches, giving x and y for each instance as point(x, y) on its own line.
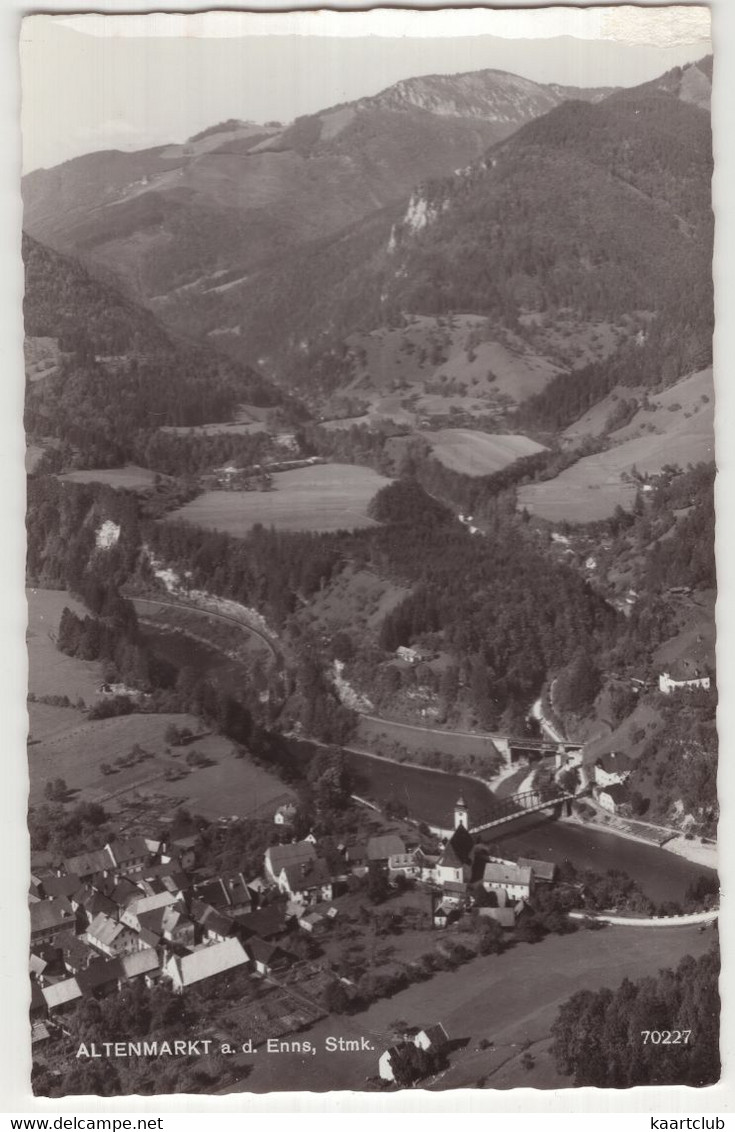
point(149, 913)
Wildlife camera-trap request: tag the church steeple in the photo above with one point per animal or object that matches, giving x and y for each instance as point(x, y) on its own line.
point(461, 814)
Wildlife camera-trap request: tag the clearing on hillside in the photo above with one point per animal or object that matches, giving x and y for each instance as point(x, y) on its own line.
point(50, 672)
point(131, 476)
point(478, 453)
point(322, 497)
point(675, 427)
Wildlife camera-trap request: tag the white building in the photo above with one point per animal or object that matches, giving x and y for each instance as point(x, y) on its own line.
point(667, 684)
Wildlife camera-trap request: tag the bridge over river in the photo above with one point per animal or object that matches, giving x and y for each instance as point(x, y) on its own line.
point(527, 802)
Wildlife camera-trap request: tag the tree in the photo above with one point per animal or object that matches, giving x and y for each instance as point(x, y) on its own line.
point(491, 937)
point(336, 999)
point(378, 887)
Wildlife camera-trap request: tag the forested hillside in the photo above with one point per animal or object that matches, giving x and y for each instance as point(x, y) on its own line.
point(600, 1036)
point(120, 374)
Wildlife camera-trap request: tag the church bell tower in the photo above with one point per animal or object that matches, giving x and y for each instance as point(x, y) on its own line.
point(461, 814)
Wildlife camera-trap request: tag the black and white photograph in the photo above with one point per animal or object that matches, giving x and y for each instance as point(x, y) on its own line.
point(370, 564)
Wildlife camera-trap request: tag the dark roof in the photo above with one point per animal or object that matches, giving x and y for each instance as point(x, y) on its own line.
point(381, 848)
point(264, 952)
point(282, 855)
point(614, 763)
point(216, 922)
point(76, 952)
point(123, 852)
point(266, 922)
point(98, 974)
point(463, 843)
point(125, 891)
point(310, 874)
point(617, 792)
point(450, 858)
point(47, 914)
point(87, 864)
point(65, 885)
point(544, 870)
point(356, 852)
point(436, 1034)
point(95, 902)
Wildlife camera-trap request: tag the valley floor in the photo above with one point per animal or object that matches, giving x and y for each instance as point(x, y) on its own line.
point(509, 1000)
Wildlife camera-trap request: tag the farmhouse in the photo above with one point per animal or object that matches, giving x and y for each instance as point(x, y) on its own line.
point(612, 769)
point(60, 996)
point(49, 918)
point(667, 684)
point(433, 1037)
point(204, 963)
point(381, 849)
point(543, 871)
point(111, 937)
point(514, 881)
point(279, 857)
point(308, 883)
point(613, 798)
point(285, 814)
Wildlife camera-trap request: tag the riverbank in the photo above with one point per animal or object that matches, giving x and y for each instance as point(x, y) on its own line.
point(695, 852)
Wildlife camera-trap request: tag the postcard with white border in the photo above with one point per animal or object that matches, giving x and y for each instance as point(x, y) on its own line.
point(370, 420)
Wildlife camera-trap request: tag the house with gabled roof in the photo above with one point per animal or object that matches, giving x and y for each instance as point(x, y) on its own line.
point(450, 868)
point(204, 962)
point(140, 965)
point(543, 871)
point(432, 1037)
point(88, 865)
point(50, 918)
point(614, 798)
point(229, 893)
point(142, 904)
point(267, 923)
point(279, 857)
point(308, 883)
point(514, 881)
point(129, 856)
point(268, 958)
point(381, 849)
point(612, 769)
point(100, 978)
point(285, 814)
point(76, 952)
point(67, 884)
point(61, 996)
point(111, 937)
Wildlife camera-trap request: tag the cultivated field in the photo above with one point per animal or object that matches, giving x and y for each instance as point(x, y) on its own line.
point(50, 672)
point(322, 497)
point(478, 453)
point(131, 476)
point(76, 749)
point(508, 999)
point(587, 491)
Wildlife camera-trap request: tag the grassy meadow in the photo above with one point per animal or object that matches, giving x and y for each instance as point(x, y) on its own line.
point(322, 497)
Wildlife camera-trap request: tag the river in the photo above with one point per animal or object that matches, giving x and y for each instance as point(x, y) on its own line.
point(430, 797)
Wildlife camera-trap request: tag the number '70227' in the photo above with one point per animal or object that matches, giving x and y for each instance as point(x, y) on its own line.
point(666, 1037)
